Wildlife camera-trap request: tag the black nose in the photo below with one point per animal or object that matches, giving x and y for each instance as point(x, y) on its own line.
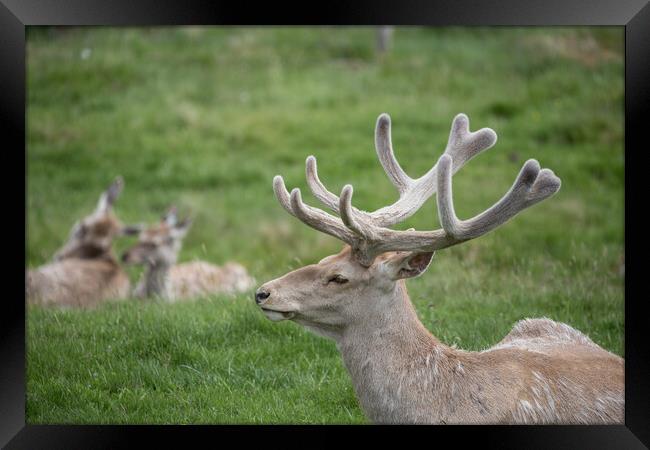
point(125, 257)
point(260, 296)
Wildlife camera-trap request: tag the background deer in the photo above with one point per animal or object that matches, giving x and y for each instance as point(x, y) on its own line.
point(84, 271)
point(158, 248)
point(541, 372)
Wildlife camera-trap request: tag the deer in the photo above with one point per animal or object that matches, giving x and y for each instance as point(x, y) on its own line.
point(157, 249)
point(84, 272)
point(542, 372)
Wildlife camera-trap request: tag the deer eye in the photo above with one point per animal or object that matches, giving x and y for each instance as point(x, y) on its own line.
point(338, 279)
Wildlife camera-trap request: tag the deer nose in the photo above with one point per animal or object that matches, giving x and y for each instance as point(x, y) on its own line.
point(261, 295)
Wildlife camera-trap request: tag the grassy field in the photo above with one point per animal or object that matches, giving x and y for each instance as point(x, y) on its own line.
point(204, 118)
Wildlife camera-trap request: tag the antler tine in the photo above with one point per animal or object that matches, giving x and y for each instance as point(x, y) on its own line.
point(462, 146)
point(384, 147)
point(531, 186)
point(386, 157)
point(353, 219)
point(314, 217)
point(316, 186)
point(368, 233)
point(282, 194)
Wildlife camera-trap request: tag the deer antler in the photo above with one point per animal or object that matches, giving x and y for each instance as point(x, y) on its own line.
point(531, 186)
point(462, 146)
point(367, 233)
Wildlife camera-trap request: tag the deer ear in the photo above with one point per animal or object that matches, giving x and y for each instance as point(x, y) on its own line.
point(170, 218)
point(408, 265)
point(180, 229)
point(109, 196)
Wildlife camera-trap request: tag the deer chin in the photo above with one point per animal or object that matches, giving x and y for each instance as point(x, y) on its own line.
point(277, 316)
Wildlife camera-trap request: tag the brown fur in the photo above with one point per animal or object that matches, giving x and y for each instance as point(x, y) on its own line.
point(84, 271)
point(77, 283)
point(158, 248)
point(199, 278)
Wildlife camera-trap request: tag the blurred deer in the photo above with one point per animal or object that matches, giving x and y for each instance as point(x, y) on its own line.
point(85, 272)
point(157, 249)
point(541, 372)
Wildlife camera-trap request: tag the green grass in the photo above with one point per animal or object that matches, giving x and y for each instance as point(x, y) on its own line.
point(205, 117)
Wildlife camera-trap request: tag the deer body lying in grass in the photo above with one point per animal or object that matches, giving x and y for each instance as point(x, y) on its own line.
point(542, 372)
point(84, 272)
point(158, 248)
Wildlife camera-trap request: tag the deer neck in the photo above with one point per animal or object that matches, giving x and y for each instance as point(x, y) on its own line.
point(388, 355)
point(155, 282)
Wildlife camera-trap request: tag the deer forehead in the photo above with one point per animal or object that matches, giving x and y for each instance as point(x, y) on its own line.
point(343, 261)
point(346, 259)
point(103, 225)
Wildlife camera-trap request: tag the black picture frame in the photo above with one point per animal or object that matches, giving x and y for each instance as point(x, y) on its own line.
point(633, 15)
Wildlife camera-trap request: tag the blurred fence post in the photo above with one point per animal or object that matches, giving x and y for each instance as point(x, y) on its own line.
point(384, 35)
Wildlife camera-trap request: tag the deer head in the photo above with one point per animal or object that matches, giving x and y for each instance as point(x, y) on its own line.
point(360, 281)
point(159, 244)
point(93, 236)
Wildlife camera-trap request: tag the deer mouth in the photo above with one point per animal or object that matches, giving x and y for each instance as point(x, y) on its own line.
point(276, 316)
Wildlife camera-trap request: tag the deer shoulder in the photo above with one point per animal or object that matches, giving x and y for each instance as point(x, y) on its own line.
point(541, 372)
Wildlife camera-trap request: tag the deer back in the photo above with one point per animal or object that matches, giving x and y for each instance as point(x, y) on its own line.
point(77, 282)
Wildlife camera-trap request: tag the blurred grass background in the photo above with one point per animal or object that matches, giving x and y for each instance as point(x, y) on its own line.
point(205, 117)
